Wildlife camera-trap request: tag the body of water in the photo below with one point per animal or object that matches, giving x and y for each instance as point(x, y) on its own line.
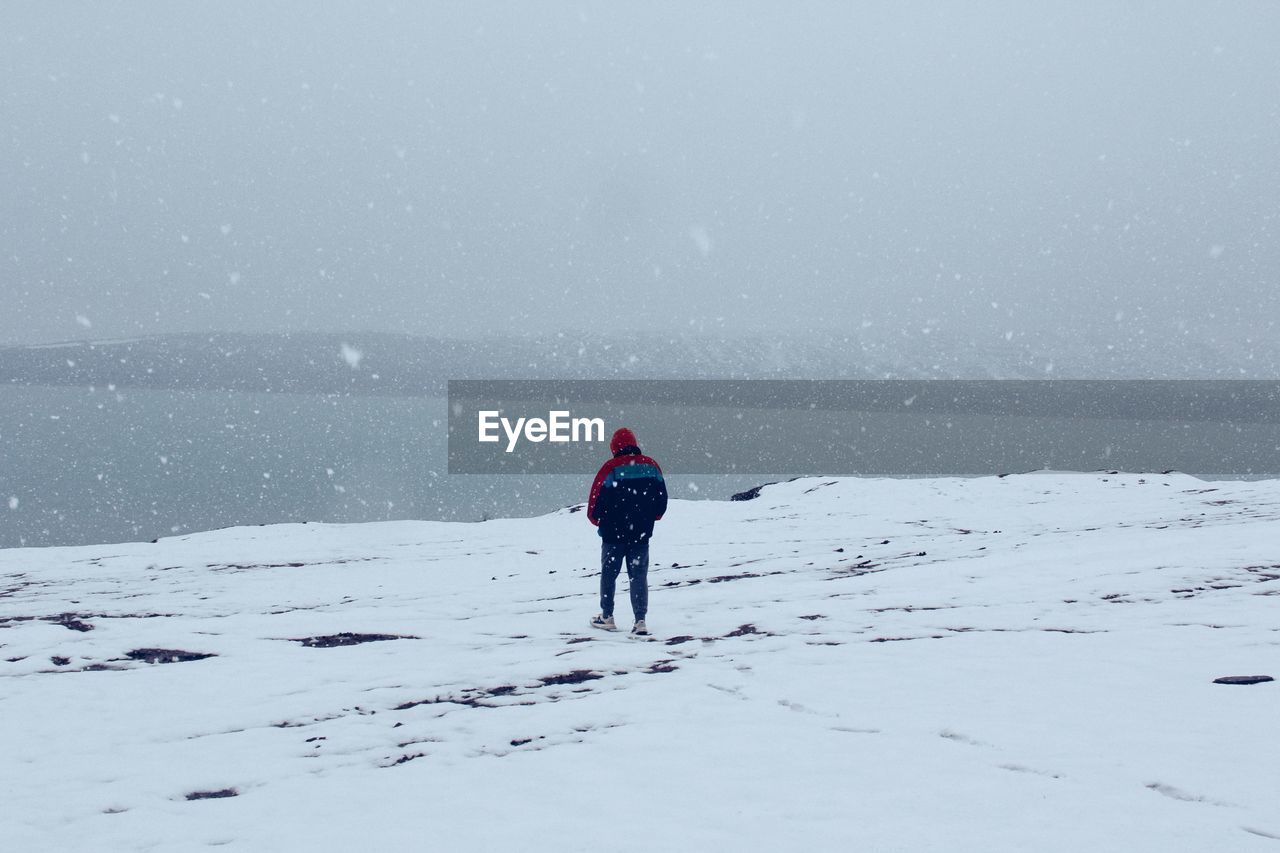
point(82, 466)
point(85, 465)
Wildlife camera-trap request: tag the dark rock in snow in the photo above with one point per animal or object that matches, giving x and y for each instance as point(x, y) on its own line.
point(662, 666)
point(213, 795)
point(750, 494)
point(346, 638)
point(471, 699)
point(167, 656)
point(1243, 679)
point(576, 677)
point(69, 620)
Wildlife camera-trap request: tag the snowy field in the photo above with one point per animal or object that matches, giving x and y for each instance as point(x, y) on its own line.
point(1004, 664)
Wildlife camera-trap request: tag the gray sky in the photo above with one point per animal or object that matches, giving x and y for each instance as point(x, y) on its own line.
point(496, 168)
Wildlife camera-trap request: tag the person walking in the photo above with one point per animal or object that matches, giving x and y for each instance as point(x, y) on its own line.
point(627, 496)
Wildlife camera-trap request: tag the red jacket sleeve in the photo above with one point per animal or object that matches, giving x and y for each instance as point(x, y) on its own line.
point(595, 491)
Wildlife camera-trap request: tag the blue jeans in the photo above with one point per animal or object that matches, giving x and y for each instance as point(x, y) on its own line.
point(637, 556)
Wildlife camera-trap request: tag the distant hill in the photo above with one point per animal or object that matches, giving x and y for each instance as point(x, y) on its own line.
point(381, 363)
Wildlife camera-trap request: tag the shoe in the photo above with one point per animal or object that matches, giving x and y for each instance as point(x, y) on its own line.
point(639, 630)
point(604, 623)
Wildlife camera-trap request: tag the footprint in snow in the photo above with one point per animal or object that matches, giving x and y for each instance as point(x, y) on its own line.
point(961, 738)
point(1183, 796)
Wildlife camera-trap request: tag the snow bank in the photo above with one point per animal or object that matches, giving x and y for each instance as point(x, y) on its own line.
point(1019, 663)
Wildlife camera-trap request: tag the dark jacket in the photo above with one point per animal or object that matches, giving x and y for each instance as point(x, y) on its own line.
point(628, 494)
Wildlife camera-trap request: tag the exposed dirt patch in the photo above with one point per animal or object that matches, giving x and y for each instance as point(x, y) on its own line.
point(861, 567)
point(346, 638)
point(662, 666)
point(683, 638)
point(750, 494)
point(723, 578)
point(578, 676)
point(213, 795)
point(1264, 573)
point(743, 575)
point(476, 697)
point(473, 698)
point(1243, 679)
point(909, 609)
point(75, 621)
point(167, 656)
point(240, 567)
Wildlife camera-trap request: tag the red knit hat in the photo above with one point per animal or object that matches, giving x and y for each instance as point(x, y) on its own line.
point(622, 438)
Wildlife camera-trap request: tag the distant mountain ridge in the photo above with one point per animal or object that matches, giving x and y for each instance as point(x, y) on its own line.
point(384, 363)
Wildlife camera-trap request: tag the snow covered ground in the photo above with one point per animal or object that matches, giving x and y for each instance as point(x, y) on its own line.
point(1000, 664)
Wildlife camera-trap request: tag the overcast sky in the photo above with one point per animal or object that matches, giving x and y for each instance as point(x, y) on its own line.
point(496, 168)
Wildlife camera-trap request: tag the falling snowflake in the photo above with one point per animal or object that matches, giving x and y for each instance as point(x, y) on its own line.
point(701, 238)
